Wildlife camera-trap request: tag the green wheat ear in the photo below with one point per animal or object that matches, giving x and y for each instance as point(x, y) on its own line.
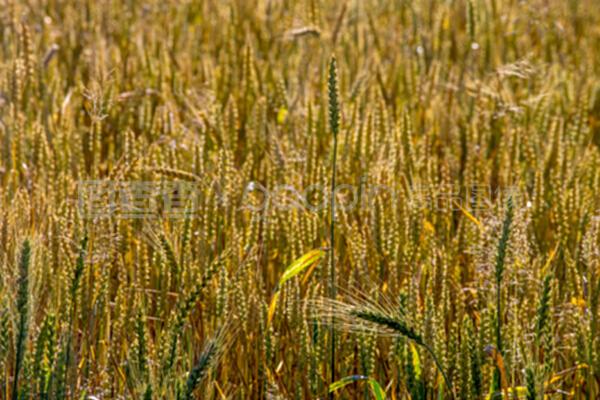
point(22, 307)
point(201, 368)
point(334, 107)
point(543, 308)
point(209, 358)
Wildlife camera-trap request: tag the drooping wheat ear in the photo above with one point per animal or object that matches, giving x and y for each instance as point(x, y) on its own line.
point(361, 314)
point(23, 309)
point(334, 123)
point(400, 327)
point(500, 260)
point(390, 323)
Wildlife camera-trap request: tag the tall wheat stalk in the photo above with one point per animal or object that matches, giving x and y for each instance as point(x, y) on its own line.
point(334, 122)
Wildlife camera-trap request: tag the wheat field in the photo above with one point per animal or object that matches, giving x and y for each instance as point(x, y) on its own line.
point(299, 199)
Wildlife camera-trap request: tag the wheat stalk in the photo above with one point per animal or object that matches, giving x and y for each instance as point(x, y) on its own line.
point(23, 310)
point(334, 122)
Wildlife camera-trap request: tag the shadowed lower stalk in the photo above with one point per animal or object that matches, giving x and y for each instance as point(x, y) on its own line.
point(500, 258)
point(334, 122)
point(22, 307)
point(183, 310)
point(78, 273)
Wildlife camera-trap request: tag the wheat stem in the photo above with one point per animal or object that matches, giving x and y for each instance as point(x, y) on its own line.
point(334, 120)
point(22, 306)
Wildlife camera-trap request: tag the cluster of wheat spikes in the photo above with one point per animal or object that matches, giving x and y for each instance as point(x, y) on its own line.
point(460, 261)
